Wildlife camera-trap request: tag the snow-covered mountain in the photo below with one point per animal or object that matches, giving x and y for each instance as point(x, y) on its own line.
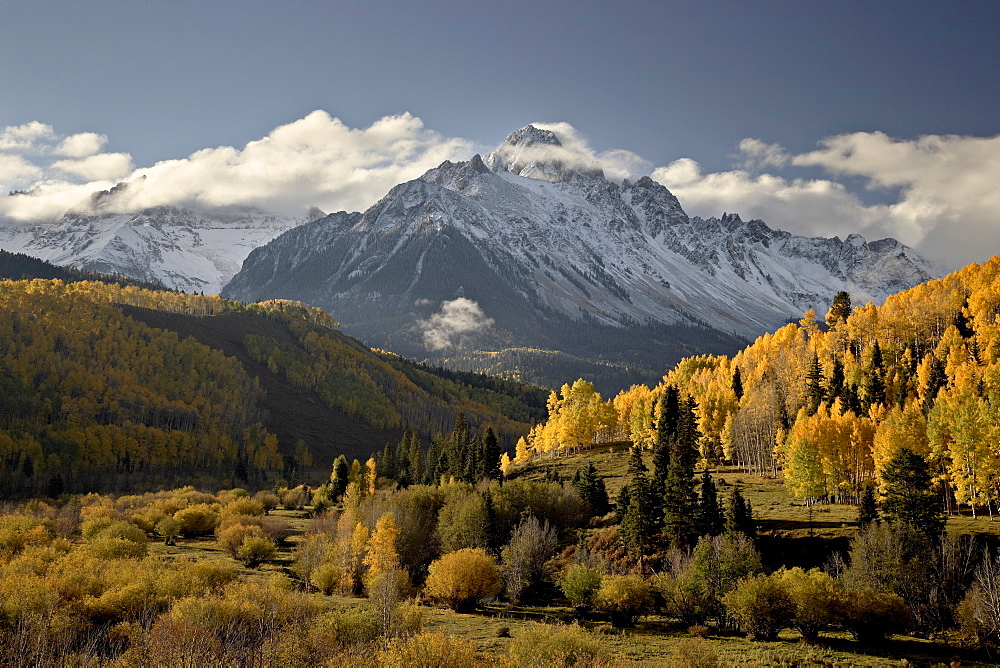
point(179, 248)
point(550, 251)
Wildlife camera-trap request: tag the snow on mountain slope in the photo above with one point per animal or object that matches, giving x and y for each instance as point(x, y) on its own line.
point(531, 235)
point(179, 248)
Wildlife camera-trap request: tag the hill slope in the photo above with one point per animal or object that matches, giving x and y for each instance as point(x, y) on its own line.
point(107, 386)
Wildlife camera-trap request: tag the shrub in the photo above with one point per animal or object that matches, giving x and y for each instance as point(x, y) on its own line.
point(197, 520)
point(114, 547)
point(169, 528)
point(870, 615)
point(580, 584)
point(268, 500)
point(231, 538)
point(814, 596)
point(325, 578)
point(459, 579)
point(551, 645)
point(348, 626)
point(624, 598)
point(761, 606)
point(531, 545)
point(683, 592)
point(429, 650)
point(242, 506)
point(255, 550)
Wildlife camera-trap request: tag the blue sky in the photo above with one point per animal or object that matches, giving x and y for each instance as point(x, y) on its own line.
point(815, 84)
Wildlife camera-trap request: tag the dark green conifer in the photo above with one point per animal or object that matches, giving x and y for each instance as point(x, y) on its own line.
point(679, 498)
point(711, 521)
point(814, 386)
point(636, 527)
point(739, 515)
point(737, 384)
point(591, 487)
point(339, 478)
point(868, 507)
point(908, 498)
point(490, 467)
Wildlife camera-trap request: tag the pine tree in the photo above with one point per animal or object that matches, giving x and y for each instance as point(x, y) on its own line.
point(401, 461)
point(491, 456)
point(836, 389)
point(739, 515)
point(868, 507)
point(814, 385)
point(636, 527)
point(711, 521)
point(839, 310)
point(908, 498)
point(668, 417)
point(339, 476)
point(935, 381)
point(679, 498)
point(737, 384)
point(591, 487)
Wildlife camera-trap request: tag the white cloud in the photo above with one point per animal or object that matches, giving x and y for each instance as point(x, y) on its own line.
point(16, 172)
point(81, 145)
point(756, 154)
point(103, 166)
point(948, 204)
point(454, 323)
point(315, 161)
point(25, 138)
point(812, 207)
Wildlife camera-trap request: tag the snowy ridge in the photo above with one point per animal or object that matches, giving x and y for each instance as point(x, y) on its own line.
point(179, 248)
point(530, 237)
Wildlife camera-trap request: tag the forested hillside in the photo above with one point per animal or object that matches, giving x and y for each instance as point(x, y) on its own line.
point(830, 401)
point(105, 386)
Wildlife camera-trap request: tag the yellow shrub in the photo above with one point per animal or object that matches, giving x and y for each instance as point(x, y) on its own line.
point(460, 578)
point(429, 650)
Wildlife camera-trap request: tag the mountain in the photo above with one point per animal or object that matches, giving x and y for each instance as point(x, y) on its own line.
point(531, 247)
point(182, 249)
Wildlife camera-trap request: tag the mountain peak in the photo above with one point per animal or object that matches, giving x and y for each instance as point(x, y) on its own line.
point(530, 135)
point(537, 153)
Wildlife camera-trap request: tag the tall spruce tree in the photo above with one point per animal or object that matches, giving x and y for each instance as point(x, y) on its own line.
point(490, 460)
point(814, 386)
point(739, 515)
point(679, 498)
point(667, 424)
point(711, 521)
point(839, 310)
point(339, 476)
point(737, 384)
point(868, 507)
point(636, 525)
point(591, 486)
point(908, 498)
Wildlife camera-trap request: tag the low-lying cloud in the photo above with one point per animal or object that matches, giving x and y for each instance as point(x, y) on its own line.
point(454, 324)
point(315, 161)
point(947, 203)
point(937, 192)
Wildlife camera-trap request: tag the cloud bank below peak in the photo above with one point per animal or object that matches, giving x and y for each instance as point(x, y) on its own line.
point(937, 192)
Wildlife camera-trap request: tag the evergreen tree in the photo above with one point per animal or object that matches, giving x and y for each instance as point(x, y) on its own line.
point(908, 498)
point(839, 310)
point(739, 515)
point(814, 385)
point(416, 459)
point(868, 508)
point(401, 461)
point(668, 416)
point(936, 379)
point(711, 521)
point(591, 487)
point(339, 476)
point(875, 378)
point(636, 525)
point(737, 384)
point(491, 456)
point(836, 388)
point(679, 497)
